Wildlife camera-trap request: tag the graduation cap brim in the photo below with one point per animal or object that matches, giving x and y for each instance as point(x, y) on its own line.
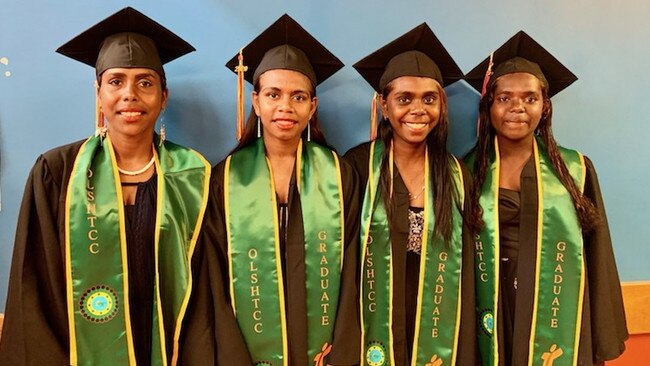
point(286, 31)
point(420, 38)
point(86, 46)
point(523, 46)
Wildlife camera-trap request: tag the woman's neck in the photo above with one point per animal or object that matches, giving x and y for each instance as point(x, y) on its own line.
point(404, 153)
point(514, 155)
point(520, 150)
point(409, 159)
point(282, 155)
point(132, 152)
point(280, 150)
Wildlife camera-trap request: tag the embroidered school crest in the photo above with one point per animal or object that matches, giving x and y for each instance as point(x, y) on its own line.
point(376, 354)
point(99, 304)
point(487, 322)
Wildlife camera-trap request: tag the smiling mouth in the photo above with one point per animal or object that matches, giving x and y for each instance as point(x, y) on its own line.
point(131, 116)
point(416, 125)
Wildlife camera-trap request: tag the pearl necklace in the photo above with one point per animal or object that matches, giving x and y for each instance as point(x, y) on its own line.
point(139, 171)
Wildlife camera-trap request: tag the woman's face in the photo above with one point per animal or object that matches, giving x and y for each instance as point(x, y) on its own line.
point(131, 100)
point(517, 107)
point(284, 103)
point(413, 106)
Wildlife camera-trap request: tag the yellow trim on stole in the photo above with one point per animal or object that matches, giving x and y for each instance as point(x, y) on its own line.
point(364, 248)
point(461, 195)
point(497, 250)
point(391, 342)
point(423, 256)
point(226, 205)
point(283, 315)
point(125, 264)
point(372, 192)
point(298, 166)
point(540, 203)
point(341, 204)
point(159, 204)
point(540, 208)
point(195, 238)
point(582, 271)
point(68, 263)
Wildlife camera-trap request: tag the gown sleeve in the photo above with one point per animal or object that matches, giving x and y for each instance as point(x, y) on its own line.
point(608, 326)
point(346, 345)
point(212, 335)
point(35, 330)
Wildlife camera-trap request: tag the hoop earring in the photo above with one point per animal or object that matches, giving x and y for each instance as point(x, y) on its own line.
point(259, 127)
point(163, 135)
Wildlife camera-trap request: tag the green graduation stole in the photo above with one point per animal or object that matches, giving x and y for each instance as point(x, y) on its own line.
point(96, 255)
point(438, 308)
point(256, 284)
point(559, 271)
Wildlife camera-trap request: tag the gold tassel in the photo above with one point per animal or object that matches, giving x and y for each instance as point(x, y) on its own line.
point(240, 69)
point(373, 117)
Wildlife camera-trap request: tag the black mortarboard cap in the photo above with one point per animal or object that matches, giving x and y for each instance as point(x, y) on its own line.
point(416, 53)
point(521, 53)
point(286, 45)
point(127, 39)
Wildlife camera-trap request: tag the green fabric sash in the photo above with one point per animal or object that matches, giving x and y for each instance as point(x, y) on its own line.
point(256, 285)
point(96, 254)
point(438, 309)
point(559, 271)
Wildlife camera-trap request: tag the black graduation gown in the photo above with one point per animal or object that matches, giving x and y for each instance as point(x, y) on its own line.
point(35, 330)
point(604, 329)
point(406, 270)
point(211, 324)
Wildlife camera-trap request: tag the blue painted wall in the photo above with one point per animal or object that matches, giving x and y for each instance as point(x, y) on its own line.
point(48, 99)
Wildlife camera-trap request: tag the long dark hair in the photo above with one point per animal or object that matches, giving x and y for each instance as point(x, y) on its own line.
point(250, 129)
point(587, 214)
point(444, 187)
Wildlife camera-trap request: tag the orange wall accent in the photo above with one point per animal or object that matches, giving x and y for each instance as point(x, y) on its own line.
point(636, 297)
point(637, 352)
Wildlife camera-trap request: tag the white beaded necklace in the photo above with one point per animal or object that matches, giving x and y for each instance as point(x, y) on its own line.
point(139, 171)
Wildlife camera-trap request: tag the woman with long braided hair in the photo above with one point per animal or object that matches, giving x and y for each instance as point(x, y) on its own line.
point(547, 285)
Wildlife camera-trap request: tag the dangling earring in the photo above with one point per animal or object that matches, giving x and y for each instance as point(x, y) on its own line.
point(100, 127)
point(259, 127)
point(309, 129)
point(163, 136)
